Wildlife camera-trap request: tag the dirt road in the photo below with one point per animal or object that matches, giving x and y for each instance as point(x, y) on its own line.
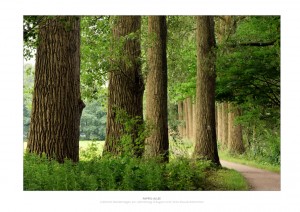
point(258, 179)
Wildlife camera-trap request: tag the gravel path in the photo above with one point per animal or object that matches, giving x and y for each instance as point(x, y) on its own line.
point(258, 179)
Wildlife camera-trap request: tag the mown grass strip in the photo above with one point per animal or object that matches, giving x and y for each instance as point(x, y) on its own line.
point(224, 155)
point(226, 180)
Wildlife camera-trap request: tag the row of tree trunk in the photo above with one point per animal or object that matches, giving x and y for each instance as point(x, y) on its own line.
point(229, 132)
point(186, 117)
point(57, 104)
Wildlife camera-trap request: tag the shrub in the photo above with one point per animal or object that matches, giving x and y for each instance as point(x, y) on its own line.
point(112, 173)
point(142, 174)
point(184, 174)
point(109, 173)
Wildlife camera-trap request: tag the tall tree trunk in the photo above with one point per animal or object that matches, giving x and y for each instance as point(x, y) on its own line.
point(220, 121)
point(230, 24)
point(194, 121)
point(206, 143)
point(56, 105)
point(216, 120)
point(126, 87)
point(235, 138)
point(187, 119)
point(225, 124)
point(157, 144)
point(180, 118)
point(184, 115)
point(221, 30)
point(190, 115)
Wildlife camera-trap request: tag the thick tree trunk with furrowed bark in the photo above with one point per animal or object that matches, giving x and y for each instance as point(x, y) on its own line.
point(56, 105)
point(157, 144)
point(126, 87)
point(206, 143)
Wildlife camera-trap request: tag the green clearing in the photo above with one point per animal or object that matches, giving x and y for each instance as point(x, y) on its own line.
point(83, 146)
point(226, 180)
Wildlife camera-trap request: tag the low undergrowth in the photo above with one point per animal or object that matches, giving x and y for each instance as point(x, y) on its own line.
point(113, 173)
point(97, 173)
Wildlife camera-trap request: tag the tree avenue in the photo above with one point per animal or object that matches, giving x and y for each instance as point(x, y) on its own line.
point(198, 90)
point(205, 141)
point(56, 104)
point(157, 144)
point(126, 86)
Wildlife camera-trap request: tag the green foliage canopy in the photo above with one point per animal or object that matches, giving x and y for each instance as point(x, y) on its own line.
point(248, 64)
point(181, 57)
point(96, 38)
point(93, 121)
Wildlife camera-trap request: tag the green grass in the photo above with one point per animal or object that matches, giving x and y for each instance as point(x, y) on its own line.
point(226, 180)
point(83, 146)
point(242, 160)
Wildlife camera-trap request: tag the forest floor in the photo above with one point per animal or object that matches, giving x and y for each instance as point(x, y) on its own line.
point(258, 179)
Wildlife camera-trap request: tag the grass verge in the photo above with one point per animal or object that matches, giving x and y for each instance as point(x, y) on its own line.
point(224, 155)
point(226, 180)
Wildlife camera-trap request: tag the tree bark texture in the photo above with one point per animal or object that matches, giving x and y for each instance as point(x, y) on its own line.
point(225, 124)
point(187, 119)
point(235, 138)
point(126, 87)
point(226, 26)
point(231, 24)
point(56, 105)
point(184, 126)
point(194, 122)
point(190, 115)
point(220, 121)
point(216, 121)
point(157, 144)
point(206, 143)
point(180, 118)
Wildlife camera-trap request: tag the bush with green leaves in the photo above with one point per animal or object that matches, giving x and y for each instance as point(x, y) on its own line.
point(265, 148)
point(124, 171)
point(184, 174)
